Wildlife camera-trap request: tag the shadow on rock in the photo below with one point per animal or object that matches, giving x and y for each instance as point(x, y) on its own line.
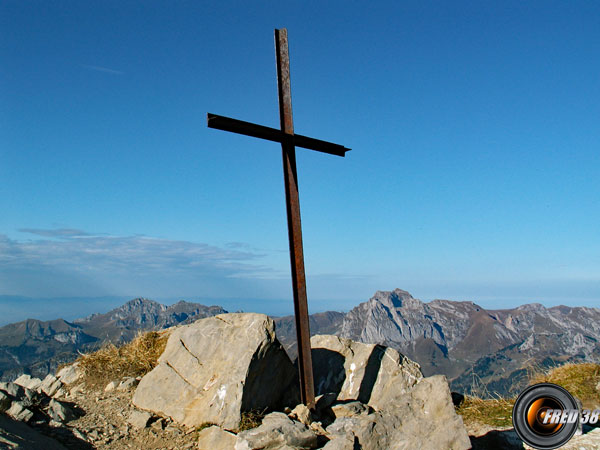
point(371, 373)
point(328, 371)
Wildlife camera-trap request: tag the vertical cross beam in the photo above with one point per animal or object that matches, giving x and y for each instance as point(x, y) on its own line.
point(288, 152)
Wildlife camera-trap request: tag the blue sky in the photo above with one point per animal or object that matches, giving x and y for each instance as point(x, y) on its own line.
point(473, 174)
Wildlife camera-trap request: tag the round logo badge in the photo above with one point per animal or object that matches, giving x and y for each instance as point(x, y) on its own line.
point(545, 416)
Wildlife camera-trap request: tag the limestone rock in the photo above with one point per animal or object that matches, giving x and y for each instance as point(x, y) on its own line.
point(60, 411)
point(50, 385)
point(345, 442)
point(139, 419)
point(127, 383)
point(215, 438)
point(19, 412)
point(12, 389)
point(302, 414)
point(277, 431)
point(216, 368)
point(28, 382)
point(110, 386)
point(424, 418)
point(366, 372)
point(350, 409)
point(69, 374)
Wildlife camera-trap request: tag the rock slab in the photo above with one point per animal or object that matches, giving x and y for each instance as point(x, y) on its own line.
point(369, 373)
point(216, 368)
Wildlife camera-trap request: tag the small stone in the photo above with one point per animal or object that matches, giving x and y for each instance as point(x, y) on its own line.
point(215, 438)
point(350, 409)
point(139, 419)
point(317, 427)
point(19, 412)
point(93, 435)
point(127, 383)
point(302, 414)
point(78, 434)
point(110, 386)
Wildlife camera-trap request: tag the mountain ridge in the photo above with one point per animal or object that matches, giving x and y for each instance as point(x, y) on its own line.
point(474, 347)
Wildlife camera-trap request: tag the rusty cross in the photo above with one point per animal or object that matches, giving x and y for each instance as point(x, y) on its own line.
point(289, 141)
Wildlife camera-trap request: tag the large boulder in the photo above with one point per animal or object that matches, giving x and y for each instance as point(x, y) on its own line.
point(216, 368)
point(369, 373)
point(408, 411)
point(423, 418)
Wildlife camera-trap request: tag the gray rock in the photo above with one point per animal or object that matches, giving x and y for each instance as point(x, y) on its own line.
point(50, 385)
point(19, 412)
point(127, 383)
point(424, 418)
point(302, 414)
point(276, 432)
point(5, 401)
point(28, 382)
point(215, 438)
point(350, 409)
point(60, 411)
point(365, 372)
point(345, 442)
point(12, 389)
point(139, 419)
point(216, 368)
point(69, 374)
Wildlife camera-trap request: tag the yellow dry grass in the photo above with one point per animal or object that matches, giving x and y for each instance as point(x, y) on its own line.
point(136, 358)
point(579, 379)
point(496, 412)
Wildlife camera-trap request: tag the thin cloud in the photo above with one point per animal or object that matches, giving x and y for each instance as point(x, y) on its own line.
point(120, 263)
point(103, 69)
point(59, 232)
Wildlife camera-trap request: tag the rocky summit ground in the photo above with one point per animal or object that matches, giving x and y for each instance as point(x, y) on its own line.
point(105, 425)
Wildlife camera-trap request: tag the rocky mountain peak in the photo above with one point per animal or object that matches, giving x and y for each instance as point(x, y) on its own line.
point(396, 299)
point(139, 306)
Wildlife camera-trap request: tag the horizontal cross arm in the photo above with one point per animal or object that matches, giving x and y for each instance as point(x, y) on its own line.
point(273, 134)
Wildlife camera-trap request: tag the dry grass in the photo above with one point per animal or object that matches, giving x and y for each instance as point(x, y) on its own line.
point(496, 412)
point(579, 379)
point(136, 358)
point(251, 419)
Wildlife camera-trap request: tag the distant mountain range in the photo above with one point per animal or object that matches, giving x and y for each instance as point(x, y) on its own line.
point(38, 347)
point(477, 349)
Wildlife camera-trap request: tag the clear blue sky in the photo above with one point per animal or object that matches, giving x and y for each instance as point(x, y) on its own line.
point(473, 175)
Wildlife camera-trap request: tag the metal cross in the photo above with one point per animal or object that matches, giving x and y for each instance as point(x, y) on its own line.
point(289, 141)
